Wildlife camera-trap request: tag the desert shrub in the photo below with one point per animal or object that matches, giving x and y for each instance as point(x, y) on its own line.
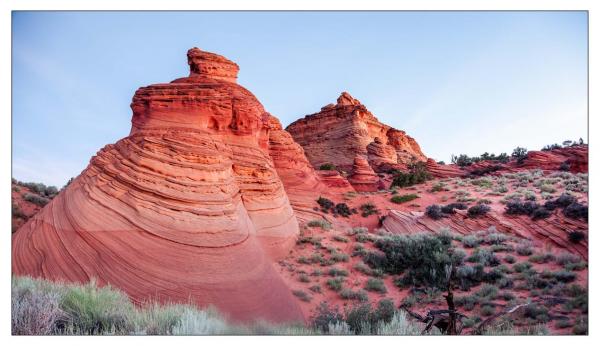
point(303, 278)
point(17, 212)
point(483, 182)
point(471, 241)
point(565, 276)
point(338, 272)
point(541, 258)
point(439, 186)
point(510, 259)
point(325, 203)
point(487, 310)
point(495, 276)
point(467, 302)
point(576, 266)
point(34, 310)
point(384, 319)
point(96, 310)
point(359, 250)
point(362, 268)
point(488, 292)
point(327, 167)
point(359, 295)
point(519, 154)
point(368, 209)
point(376, 285)
point(35, 199)
point(342, 209)
point(201, 322)
point(566, 258)
point(506, 295)
point(576, 236)
point(536, 312)
point(469, 276)
point(417, 175)
point(576, 211)
point(547, 188)
point(421, 258)
point(326, 316)
point(339, 257)
point(384, 311)
point(403, 198)
point(540, 213)
point(483, 256)
point(562, 201)
point(478, 210)
point(319, 223)
point(434, 211)
point(516, 207)
point(522, 267)
point(340, 238)
point(315, 288)
point(449, 209)
point(485, 170)
point(303, 296)
point(501, 248)
point(358, 318)
point(335, 283)
point(496, 238)
point(524, 248)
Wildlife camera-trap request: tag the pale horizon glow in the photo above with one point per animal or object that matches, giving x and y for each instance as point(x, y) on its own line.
point(458, 82)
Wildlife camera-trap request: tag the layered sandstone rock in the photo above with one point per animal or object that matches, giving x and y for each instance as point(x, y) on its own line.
point(363, 177)
point(188, 207)
point(575, 158)
point(299, 178)
point(553, 231)
point(443, 171)
point(340, 132)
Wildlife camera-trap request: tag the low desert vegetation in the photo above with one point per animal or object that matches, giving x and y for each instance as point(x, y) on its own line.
point(398, 199)
point(417, 175)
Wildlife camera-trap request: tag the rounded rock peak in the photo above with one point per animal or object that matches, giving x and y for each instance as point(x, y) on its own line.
point(211, 65)
point(346, 99)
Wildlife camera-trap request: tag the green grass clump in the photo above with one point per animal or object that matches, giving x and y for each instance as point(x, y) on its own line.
point(303, 296)
point(319, 223)
point(338, 272)
point(349, 294)
point(398, 199)
point(375, 285)
point(335, 284)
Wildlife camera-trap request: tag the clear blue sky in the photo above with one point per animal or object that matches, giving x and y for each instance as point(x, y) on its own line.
point(458, 82)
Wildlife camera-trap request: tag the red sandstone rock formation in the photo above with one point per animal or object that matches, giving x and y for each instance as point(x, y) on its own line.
point(299, 178)
point(443, 171)
point(188, 207)
point(334, 180)
point(554, 230)
point(340, 132)
point(363, 177)
point(576, 157)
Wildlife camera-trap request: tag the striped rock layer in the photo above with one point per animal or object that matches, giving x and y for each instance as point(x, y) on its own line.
point(339, 132)
point(188, 207)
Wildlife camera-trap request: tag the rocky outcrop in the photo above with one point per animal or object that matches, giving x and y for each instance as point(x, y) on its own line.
point(340, 132)
point(299, 178)
point(363, 177)
point(188, 207)
point(443, 171)
point(553, 231)
point(574, 159)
